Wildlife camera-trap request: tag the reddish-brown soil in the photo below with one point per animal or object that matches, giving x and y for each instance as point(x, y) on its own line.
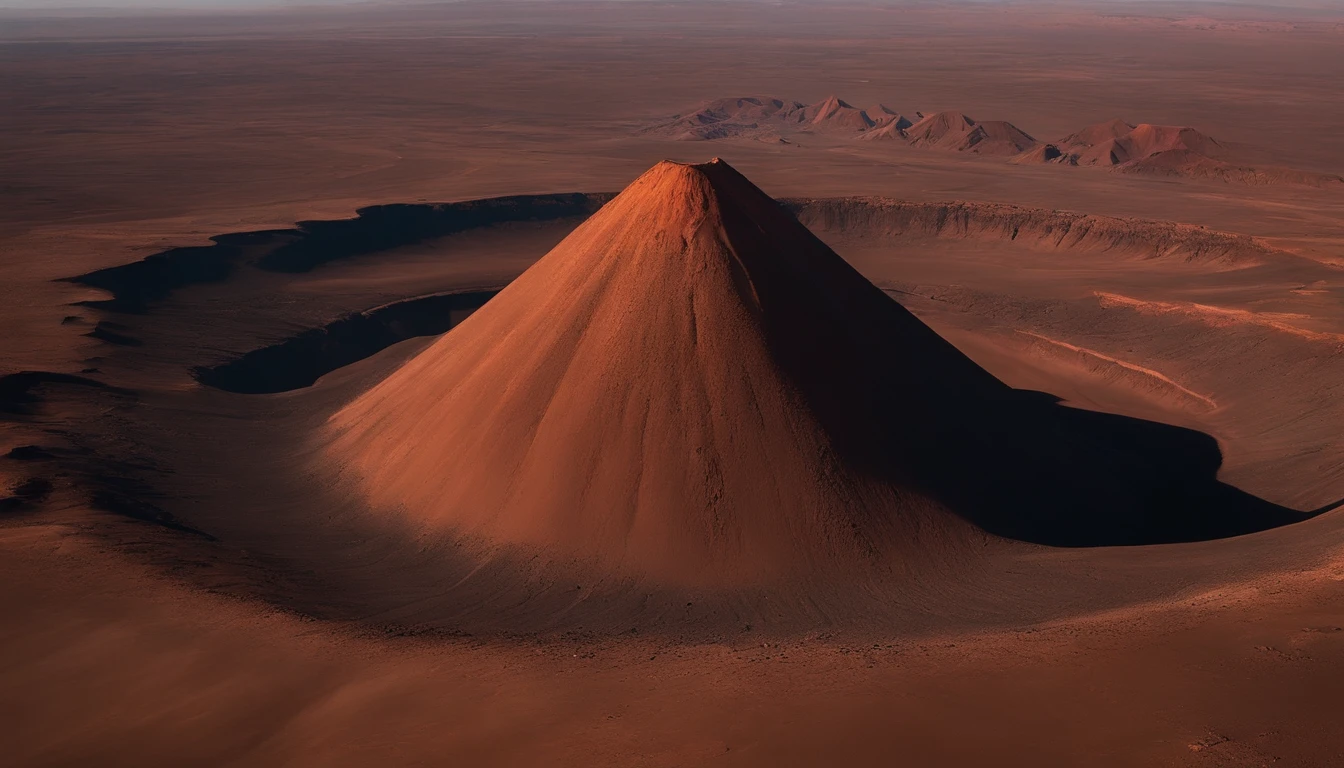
point(943, 460)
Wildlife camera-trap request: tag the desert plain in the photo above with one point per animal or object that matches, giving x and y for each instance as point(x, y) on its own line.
point(672, 384)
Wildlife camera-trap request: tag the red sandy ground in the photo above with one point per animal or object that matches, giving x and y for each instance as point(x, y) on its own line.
point(291, 641)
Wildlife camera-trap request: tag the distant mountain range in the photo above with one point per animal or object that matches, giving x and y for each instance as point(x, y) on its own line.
point(1164, 150)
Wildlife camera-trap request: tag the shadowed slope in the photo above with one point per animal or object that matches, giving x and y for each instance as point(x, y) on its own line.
point(1164, 150)
point(883, 115)
point(833, 113)
point(1042, 154)
point(692, 386)
point(944, 129)
point(892, 130)
point(1092, 135)
point(956, 132)
point(731, 118)
point(1117, 143)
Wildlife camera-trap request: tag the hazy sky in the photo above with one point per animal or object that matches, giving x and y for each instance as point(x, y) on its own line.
point(217, 4)
point(51, 4)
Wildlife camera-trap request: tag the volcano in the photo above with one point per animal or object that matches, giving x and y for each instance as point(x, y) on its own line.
point(690, 380)
point(693, 387)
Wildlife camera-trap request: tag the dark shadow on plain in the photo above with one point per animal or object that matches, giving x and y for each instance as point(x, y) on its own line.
point(384, 227)
point(21, 393)
point(1025, 467)
point(135, 286)
point(118, 501)
point(26, 494)
point(903, 405)
point(113, 333)
point(1331, 507)
point(301, 360)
